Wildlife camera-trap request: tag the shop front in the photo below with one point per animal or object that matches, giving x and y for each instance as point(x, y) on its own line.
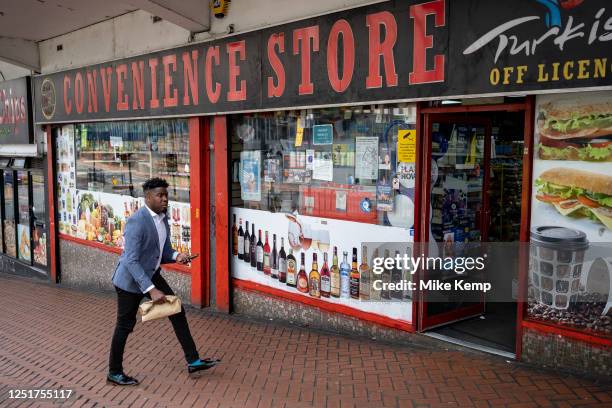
point(338, 142)
point(23, 207)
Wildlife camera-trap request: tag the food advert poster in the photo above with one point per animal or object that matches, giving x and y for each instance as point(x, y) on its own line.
point(570, 279)
point(572, 169)
point(309, 235)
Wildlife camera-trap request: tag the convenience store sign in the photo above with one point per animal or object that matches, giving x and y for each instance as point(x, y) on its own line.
point(401, 50)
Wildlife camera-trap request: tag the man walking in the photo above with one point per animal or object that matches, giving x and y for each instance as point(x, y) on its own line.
point(147, 245)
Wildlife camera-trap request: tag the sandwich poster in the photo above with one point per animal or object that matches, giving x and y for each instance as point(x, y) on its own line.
point(572, 169)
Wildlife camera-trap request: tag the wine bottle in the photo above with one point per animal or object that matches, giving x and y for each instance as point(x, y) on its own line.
point(282, 263)
point(274, 259)
point(246, 256)
point(260, 254)
point(240, 241)
point(253, 248)
point(266, 256)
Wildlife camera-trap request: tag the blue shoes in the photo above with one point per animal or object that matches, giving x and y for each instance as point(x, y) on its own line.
point(200, 365)
point(121, 379)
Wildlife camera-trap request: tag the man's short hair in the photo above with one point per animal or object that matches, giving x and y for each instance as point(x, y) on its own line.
point(153, 183)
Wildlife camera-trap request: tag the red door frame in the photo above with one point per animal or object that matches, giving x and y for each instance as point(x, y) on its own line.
point(426, 322)
point(528, 108)
point(199, 135)
point(53, 247)
point(221, 216)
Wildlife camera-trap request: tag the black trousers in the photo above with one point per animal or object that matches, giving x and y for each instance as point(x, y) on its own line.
point(127, 307)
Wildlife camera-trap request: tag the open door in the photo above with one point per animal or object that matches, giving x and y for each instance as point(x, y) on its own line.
point(458, 210)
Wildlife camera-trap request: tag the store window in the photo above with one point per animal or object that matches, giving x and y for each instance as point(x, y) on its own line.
point(10, 245)
point(325, 185)
point(570, 273)
point(117, 157)
point(39, 218)
point(101, 169)
point(23, 225)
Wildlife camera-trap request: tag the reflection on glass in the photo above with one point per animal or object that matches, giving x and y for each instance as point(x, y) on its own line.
point(457, 180)
point(23, 227)
point(9, 215)
point(340, 163)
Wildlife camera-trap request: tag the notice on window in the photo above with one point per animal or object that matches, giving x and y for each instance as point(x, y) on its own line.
point(406, 146)
point(299, 133)
point(366, 162)
point(323, 167)
point(322, 134)
point(250, 180)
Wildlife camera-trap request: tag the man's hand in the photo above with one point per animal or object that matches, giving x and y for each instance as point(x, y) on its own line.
point(183, 259)
point(157, 296)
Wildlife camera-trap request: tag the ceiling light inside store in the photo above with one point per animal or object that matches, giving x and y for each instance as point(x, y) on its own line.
point(450, 102)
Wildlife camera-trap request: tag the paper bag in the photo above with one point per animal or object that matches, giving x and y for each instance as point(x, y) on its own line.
point(150, 311)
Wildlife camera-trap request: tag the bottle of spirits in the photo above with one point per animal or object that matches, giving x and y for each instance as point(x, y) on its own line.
point(345, 271)
point(396, 277)
point(364, 273)
point(260, 254)
point(240, 240)
point(302, 278)
point(291, 269)
point(386, 279)
point(274, 259)
point(234, 237)
point(282, 263)
point(266, 256)
point(374, 294)
point(246, 256)
point(354, 281)
point(325, 278)
point(335, 275)
point(253, 255)
point(314, 280)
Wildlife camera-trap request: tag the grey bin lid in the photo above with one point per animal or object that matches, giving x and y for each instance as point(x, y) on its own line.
point(559, 237)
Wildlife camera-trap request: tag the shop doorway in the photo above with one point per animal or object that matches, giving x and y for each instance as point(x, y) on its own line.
point(474, 203)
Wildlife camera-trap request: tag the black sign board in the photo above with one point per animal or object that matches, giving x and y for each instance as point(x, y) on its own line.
point(396, 50)
point(15, 112)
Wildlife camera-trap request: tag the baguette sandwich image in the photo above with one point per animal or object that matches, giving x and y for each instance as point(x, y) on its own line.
point(575, 132)
point(577, 193)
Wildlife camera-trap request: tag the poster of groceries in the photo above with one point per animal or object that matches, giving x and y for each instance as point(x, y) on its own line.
point(570, 271)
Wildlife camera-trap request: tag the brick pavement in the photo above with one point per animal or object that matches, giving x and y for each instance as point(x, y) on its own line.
point(58, 338)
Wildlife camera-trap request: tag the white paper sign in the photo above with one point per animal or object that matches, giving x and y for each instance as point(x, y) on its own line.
point(366, 160)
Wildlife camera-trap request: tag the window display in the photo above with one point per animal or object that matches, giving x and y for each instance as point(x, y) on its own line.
point(118, 157)
point(23, 226)
point(316, 185)
point(39, 214)
point(570, 273)
point(101, 168)
point(10, 242)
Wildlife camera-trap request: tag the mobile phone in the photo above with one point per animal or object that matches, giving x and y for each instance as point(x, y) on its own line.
point(190, 257)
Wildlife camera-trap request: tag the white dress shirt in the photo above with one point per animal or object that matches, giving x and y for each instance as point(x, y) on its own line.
point(158, 220)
